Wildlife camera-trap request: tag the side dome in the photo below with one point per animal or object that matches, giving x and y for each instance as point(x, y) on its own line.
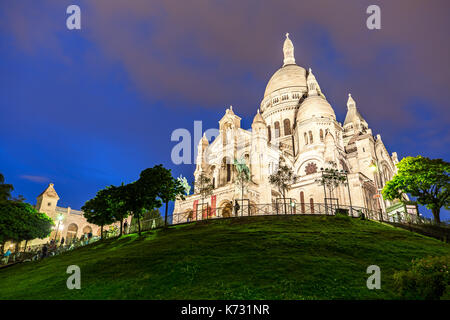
point(315, 106)
point(288, 76)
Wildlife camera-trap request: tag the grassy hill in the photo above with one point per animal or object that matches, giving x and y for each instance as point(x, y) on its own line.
point(279, 257)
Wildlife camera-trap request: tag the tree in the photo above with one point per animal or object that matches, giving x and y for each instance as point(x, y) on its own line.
point(139, 196)
point(167, 187)
point(5, 189)
point(331, 178)
point(38, 225)
point(117, 202)
point(425, 179)
point(283, 179)
point(204, 187)
point(98, 210)
point(20, 221)
point(243, 175)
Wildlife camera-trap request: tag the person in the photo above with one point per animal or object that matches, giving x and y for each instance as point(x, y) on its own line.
point(236, 207)
point(6, 256)
point(125, 226)
point(62, 241)
point(44, 251)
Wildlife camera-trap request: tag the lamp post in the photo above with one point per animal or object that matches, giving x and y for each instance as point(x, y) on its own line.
point(60, 217)
point(373, 167)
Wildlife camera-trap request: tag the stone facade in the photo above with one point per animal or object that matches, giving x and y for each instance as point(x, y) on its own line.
point(72, 224)
point(295, 124)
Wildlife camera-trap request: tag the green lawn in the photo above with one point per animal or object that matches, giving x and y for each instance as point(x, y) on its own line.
point(279, 257)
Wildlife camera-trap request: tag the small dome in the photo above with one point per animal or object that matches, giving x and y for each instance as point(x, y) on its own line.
point(315, 106)
point(258, 118)
point(288, 76)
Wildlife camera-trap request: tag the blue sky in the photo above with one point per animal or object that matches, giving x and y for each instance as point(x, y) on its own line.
point(92, 107)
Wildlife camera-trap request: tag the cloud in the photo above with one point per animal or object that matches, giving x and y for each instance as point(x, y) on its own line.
point(38, 179)
point(213, 54)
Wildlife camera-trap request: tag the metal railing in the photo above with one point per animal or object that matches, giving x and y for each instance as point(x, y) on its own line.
point(208, 213)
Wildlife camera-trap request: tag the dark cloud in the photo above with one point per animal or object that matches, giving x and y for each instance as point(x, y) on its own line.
point(212, 54)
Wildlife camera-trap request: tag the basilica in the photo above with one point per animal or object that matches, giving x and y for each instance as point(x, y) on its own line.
point(295, 125)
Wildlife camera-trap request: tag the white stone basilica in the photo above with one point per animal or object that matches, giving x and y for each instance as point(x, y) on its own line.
point(295, 123)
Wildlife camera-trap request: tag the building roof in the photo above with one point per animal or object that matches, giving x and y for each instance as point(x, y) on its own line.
point(290, 74)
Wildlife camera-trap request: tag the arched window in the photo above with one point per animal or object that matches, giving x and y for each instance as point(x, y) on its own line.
point(321, 135)
point(311, 204)
point(228, 172)
point(302, 201)
point(277, 129)
point(310, 137)
point(287, 127)
point(269, 133)
point(72, 230)
point(306, 138)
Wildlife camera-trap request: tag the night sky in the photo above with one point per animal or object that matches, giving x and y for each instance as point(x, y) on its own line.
point(93, 107)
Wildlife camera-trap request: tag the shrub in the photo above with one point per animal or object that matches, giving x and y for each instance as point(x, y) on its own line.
point(428, 279)
point(341, 211)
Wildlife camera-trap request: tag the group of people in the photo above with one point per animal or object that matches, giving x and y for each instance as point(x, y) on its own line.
point(51, 248)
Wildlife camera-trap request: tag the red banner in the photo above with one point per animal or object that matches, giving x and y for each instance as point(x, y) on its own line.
point(194, 216)
point(204, 212)
point(213, 206)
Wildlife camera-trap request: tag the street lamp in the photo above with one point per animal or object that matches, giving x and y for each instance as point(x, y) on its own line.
point(60, 218)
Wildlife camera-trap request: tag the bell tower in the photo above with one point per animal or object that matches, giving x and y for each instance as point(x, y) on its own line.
point(47, 200)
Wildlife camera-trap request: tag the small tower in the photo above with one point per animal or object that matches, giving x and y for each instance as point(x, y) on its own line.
point(258, 147)
point(47, 200)
point(201, 161)
point(354, 122)
point(313, 85)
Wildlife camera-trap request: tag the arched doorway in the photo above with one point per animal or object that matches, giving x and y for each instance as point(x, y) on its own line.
point(87, 230)
point(189, 215)
point(226, 209)
point(71, 234)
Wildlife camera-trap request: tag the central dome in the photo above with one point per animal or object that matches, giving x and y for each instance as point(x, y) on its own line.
point(290, 75)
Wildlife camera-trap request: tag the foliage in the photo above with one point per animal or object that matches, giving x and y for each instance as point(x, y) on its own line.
point(332, 177)
point(428, 278)
point(167, 187)
point(283, 178)
point(5, 189)
point(183, 181)
point(117, 202)
point(99, 210)
point(138, 197)
point(341, 211)
point(426, 179)
point(21, 221)
point(204, 185)
point(243, 174)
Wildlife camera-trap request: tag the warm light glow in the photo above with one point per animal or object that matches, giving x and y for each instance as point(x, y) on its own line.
point(373, 167)
point(61, 227)
point(60, 217)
